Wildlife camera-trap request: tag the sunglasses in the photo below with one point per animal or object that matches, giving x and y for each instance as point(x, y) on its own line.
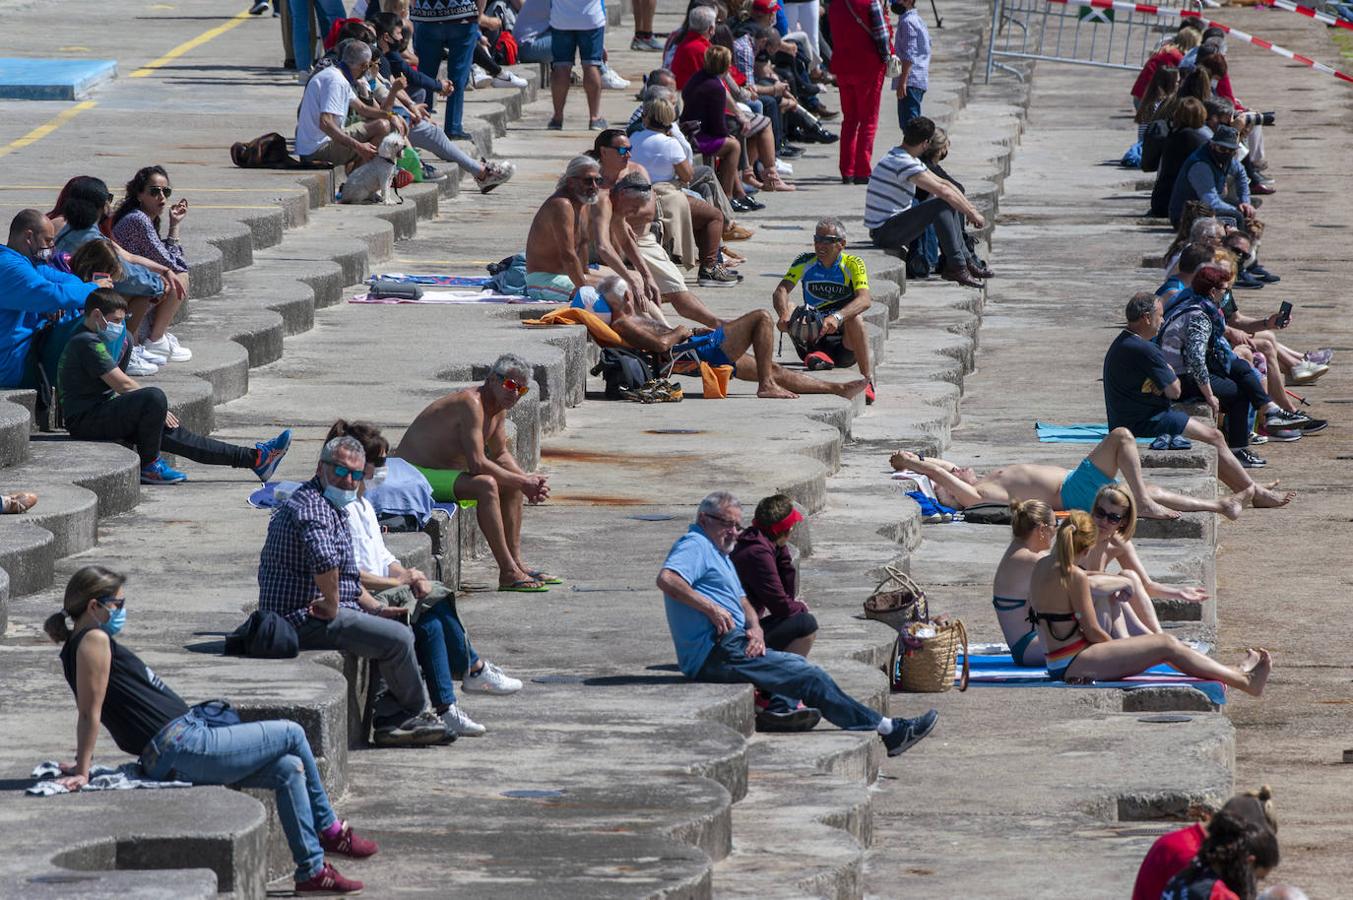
point(517, 386)
point(623, 151)
point(1111, 518)
point(725, 522)
point(165, 192)
point(826, 239)
point(595, 180)
point(113, 602)
point(345, 472)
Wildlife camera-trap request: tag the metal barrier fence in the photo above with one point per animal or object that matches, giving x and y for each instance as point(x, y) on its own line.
point(1108, 38)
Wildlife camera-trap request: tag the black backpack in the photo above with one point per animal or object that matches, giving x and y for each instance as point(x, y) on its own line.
point(623, 369)
point(264, 635)
point(268, 151)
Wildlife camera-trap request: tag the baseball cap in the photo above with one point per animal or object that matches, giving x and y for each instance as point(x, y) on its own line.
point(765, 6)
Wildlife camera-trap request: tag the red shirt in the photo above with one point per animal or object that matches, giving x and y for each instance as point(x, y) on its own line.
point(689, 58)
point(1168, 856)
point(1170, 56)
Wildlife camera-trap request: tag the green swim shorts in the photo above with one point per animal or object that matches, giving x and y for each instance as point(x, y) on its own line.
point(443, 482)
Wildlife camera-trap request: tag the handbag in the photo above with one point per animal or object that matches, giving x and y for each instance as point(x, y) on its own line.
point(897, 601)
point(894, 69)
point(926, 663)
point(216, 713)
point(893, 64)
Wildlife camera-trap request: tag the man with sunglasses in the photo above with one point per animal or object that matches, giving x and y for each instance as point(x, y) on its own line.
point(718, 637)
point(558, 244)
point(460, 444)
point(308, 575)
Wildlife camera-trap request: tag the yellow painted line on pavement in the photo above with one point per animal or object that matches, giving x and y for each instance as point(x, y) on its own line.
point(188, 46)
point(47, 128)
point(180, 189)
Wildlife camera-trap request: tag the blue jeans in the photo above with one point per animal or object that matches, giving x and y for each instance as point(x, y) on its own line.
point(788, 678)
point(537, 49)
point(454, 42)
point(273, 754)
point(302, 41)
point(909, 107)
point(443, 650)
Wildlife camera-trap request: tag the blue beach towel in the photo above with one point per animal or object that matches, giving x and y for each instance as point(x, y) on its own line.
point(1085, 433)
point(1001, 671)
point(437, 280)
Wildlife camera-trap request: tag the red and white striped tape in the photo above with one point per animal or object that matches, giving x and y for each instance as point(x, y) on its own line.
point(1150, 10)
point(1309, 13)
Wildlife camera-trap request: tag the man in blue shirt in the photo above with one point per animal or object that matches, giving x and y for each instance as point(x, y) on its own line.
point(718, 637)
point(1203, 177)
point(30, 290)
point(913, 49)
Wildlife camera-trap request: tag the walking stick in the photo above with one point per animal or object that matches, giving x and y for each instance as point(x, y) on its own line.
point(939, 23)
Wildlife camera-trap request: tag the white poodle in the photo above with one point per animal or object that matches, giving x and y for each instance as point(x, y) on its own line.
point(371, 181)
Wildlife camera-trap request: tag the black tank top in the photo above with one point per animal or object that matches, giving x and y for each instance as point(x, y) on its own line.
point(136, 705)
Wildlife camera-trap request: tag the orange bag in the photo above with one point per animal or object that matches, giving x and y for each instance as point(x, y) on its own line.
point(715, 380)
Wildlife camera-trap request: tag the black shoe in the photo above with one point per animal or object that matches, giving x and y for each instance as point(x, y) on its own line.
point(802, 719)
point(1313, 425)
point(1263, 274)
point(846, 179)
point(861, 179)
point(751, 205)
point(1247, 459)
point(789, 151)
point(909, 732)
point(1248, 282)
point(823, 136)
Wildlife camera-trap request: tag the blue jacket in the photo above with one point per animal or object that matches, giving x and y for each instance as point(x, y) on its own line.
point(394, 65)
point(1200, 178)
point(27, 292)
point(136, 281)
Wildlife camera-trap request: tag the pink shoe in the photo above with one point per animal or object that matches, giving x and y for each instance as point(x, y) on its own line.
point(328, 883)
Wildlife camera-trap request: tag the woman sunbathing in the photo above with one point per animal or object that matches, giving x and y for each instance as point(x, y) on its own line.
point(1033, 525)
point(1078, 649)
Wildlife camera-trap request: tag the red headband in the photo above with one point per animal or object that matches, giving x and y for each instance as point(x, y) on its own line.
point(788, 522)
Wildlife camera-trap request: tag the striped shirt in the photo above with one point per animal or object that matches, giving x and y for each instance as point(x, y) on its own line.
point(892, 187)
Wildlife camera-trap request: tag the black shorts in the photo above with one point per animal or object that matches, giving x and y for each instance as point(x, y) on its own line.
point(834, 345)
point(781, 631)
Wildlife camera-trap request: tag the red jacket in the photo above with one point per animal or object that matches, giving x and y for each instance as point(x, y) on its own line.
point(862, 37)
point(1170, 56)
point(689, 58)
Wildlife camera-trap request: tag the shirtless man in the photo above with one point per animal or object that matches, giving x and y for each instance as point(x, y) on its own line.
point(633, 211)
point(459, 443)
point(725, 345)
point(961, 487)
point(571, 230)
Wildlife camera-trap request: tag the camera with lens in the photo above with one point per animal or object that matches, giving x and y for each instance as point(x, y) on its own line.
point(1250, 119)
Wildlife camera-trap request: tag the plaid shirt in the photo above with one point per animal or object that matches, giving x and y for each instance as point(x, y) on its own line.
point(306, 536)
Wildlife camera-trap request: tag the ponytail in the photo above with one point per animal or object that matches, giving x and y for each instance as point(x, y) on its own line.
point(56, 627)
point(1075, 535)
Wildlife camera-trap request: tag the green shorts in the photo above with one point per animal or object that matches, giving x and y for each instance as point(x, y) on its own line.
point(443, 483)
point(550, 287)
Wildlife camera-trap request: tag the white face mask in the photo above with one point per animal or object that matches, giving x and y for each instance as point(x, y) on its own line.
point(43, 254)
point(379, 476)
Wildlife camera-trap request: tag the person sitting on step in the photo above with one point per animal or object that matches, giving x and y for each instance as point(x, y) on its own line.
point(459, 442)
point(173, 741)
point(443, 647)
point(1032, 526)
point(718, 638)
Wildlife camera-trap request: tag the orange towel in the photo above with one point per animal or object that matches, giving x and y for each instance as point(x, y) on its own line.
point(599, 331)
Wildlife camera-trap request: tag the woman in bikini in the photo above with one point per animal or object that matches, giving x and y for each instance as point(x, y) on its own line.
point(1114, 513)
point(1078, 649)
point(1033, 525)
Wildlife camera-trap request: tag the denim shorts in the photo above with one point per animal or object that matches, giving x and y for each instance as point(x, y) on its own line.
point(586, 45)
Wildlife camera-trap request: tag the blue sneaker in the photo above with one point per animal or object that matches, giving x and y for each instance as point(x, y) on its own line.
point(159, 472)
point(908, 732)
point(270, 455)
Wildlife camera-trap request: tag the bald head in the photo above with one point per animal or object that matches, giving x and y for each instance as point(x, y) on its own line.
point(31, 234)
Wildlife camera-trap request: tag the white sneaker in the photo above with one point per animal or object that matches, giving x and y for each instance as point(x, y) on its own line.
point(138, 366)
point(613, 82)
point(461, 725)
point(490, 680)
point(506, 79)
point(494, 174)
point(1306, 372)
point(479, 78)
point(166, 350)
point(783, 167)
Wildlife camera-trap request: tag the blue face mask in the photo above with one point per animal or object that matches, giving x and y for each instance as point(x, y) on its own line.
point(339, 497)
point(116, 619)
point(112, 332)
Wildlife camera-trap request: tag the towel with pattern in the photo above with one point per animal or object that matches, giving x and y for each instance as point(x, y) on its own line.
point(126, 777)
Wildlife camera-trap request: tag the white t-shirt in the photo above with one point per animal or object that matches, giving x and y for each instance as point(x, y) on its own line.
point(327, 92)
point(658, 153)
point(367, 544)
point(577, 15)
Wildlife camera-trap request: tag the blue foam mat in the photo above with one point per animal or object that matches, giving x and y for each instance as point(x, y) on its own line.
point(999, 670)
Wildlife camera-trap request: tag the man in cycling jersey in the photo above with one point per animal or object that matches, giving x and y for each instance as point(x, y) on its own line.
point(836, 286)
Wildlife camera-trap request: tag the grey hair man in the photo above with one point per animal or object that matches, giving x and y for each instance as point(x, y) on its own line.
point(307, 574)
point(557, 245)
point(460, 444)
point(718, 638)
point(320, 132)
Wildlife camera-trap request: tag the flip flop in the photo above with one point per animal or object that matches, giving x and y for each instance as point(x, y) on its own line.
point(521, 587)
point(1179, 442)
point(545, 578)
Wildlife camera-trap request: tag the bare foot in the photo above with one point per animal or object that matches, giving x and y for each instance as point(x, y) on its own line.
point(1268, 499)
point(1231, 506)
point(1152, 510)
point(772, 391)
point(1257, 667)
point(852, 389)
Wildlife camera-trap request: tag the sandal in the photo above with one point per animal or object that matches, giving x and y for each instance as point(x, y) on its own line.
point(18, 503)
point(774, 183)
point(524, 586)
point(545, 578)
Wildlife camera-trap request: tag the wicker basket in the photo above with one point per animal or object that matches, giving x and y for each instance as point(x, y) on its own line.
point(897, 601)
point(930, 667)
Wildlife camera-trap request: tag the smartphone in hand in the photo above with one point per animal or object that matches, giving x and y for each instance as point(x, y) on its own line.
point(1284, 314)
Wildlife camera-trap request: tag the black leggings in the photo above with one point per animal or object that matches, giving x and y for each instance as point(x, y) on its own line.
point(137, 417)
point(781, 631)
point(484, 59)
point(1238, 391)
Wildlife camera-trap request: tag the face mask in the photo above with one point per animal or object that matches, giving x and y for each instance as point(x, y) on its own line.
point(379, 476)
point(112, 332)
point(43, 254)
point(403, 44)
point(116, 619)
point(339, 497)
